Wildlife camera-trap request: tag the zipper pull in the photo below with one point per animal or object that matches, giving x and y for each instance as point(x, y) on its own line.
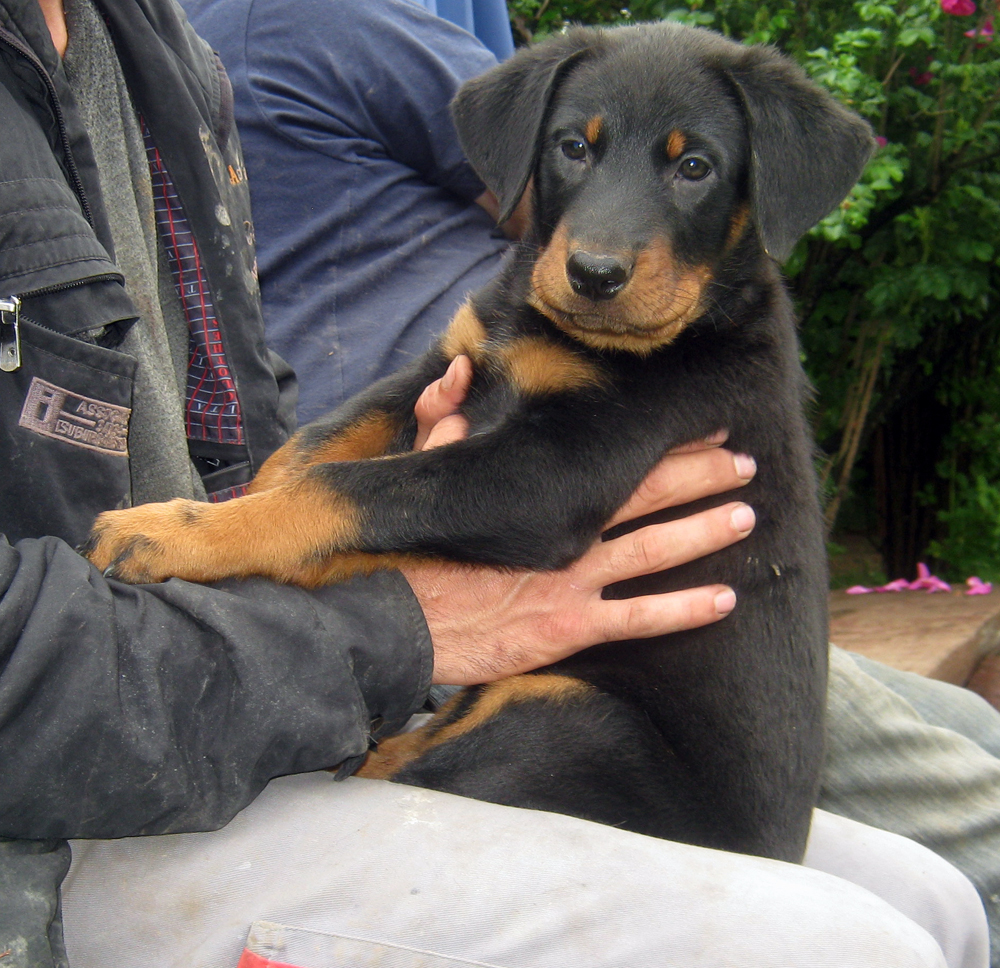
point(10, 334)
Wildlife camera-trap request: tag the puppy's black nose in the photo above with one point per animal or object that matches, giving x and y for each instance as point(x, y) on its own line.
point(597, 276)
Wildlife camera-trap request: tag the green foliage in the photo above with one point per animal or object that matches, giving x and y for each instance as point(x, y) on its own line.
point(853, 566)
point(899, 287)
point(534, 20)
point(972, 544)
point(970, 510)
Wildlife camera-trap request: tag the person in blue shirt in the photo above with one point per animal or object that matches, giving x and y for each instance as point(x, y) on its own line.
point(368, 231)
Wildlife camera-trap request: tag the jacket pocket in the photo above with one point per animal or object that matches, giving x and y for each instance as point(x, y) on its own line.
point(64, 417)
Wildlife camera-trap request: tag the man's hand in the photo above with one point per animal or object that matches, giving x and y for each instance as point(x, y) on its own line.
point(487, 623)
point(437, 421)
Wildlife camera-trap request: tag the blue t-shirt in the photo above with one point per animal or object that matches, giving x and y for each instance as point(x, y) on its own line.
point(368, 237)
point(487, 19)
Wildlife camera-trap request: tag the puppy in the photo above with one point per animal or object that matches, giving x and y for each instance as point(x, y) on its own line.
point(669, 172)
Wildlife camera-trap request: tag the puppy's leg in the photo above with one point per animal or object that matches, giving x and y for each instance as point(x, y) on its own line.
point(521, 495)
point(551, 742)
point(287, 523)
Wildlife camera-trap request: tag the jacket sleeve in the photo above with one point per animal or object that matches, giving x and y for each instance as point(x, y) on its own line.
point(164, 708)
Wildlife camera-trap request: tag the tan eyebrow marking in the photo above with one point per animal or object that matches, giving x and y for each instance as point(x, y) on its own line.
point(675, 144)
point(593, 130)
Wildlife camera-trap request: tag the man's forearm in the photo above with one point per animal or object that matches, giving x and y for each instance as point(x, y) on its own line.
point(153, 709)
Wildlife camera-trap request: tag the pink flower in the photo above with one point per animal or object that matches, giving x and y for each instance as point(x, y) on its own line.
point(928, 581)
point(920, 77)
point(958, 8)
point(977, 586)
point(924, 581)
point(986, 31)
point(882, 142)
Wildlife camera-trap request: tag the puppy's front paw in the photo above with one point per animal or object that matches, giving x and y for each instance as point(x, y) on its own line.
point(143, 544)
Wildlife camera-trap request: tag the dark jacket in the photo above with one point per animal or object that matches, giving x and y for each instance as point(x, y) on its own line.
point(138, 710)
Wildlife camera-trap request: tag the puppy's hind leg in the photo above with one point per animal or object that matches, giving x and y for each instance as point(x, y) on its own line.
point(556, 743)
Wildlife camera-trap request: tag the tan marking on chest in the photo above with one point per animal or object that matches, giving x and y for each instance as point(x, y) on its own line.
point(537, 366)
point(465, 334)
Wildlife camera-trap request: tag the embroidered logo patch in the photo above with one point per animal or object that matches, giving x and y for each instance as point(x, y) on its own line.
point(54, 412)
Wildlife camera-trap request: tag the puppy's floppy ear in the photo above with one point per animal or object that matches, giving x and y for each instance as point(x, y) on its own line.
point(807, 150)
point(499, 115)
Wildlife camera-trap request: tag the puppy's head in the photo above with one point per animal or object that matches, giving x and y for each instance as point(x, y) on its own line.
point(652, 152)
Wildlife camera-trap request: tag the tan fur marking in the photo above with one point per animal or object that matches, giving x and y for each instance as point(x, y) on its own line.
point(465, 334)
point(549, 274)
point(340, 567)
point(393, 754)
point(282, 466)
point(537, 367)
point(676, 142)
point(370, 436)
point(497, 695)
point(399, 751)
point(289, 532)
point(593, 129)
point(737, 227)
point(516, 227)
point(661, 298)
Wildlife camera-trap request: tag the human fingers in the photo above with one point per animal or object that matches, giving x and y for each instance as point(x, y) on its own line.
point(442, 398)
point(488, 623)
point(612, 620)
point(658, 547)
point(682, 478)
point(446, 431)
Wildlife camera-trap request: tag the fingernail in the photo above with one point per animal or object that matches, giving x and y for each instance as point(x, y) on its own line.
point(448, 380)
point(745, 465)
point(725, 602)
point(719, 437)
point(743, 518)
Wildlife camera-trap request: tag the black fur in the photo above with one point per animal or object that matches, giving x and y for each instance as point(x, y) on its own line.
point(712, 736)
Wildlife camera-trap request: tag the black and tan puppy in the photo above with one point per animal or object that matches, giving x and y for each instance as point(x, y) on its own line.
point(668, 170)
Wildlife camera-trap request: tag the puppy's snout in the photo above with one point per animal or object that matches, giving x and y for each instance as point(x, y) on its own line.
point(597, 276)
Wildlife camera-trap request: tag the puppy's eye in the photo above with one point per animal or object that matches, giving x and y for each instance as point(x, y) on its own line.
point(574, 149)
point(694, 169)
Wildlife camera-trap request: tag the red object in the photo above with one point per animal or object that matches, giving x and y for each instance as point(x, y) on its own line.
point(959, 8)
point(251, 960)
